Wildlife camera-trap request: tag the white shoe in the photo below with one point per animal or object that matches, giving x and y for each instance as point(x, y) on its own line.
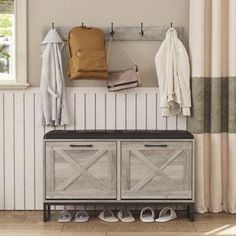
point(166, 214)
point(147, 215)
point(125, 216)
point(107, 216)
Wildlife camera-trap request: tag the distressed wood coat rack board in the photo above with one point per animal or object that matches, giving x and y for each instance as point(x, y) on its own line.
point(126, 33)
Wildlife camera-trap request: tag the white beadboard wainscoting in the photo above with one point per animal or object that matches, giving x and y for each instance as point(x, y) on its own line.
point(21, 138)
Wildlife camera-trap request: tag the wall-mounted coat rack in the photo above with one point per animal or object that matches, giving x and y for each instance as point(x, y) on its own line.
point(126, 33)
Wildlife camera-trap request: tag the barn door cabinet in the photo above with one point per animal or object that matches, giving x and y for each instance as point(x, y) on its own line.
point(118, 167)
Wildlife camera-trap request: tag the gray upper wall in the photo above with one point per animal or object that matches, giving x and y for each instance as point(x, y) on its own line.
point(100, 14)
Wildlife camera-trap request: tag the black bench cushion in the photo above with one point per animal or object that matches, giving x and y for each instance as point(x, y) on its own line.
point(118, 134)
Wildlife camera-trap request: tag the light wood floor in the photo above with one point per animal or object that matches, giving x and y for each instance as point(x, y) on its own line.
point(24, 223)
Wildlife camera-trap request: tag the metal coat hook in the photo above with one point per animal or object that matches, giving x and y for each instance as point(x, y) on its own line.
point(142, 31)
point(53, 25)
point(112, 30)
point(171, 25)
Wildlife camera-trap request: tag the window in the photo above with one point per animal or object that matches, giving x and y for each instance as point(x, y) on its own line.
point(13, 45)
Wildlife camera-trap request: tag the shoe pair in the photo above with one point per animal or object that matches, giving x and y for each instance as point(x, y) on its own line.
point(147, 215)
point(122, 215)
point(66, 216)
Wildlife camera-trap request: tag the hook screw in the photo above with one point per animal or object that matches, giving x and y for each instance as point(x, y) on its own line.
point(112, 30)
point(142, 31)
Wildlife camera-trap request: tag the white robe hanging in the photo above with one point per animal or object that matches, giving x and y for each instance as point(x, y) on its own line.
point(53, 106)
point(173, 72)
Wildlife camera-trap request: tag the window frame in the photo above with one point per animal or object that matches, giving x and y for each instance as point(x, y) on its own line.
point(20, 76)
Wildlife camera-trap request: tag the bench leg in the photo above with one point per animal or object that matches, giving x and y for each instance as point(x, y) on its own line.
point(49, 210)
point(46, 212)
point(190, 212)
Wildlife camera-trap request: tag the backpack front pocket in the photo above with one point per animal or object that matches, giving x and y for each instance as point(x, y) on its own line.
point(90, 61)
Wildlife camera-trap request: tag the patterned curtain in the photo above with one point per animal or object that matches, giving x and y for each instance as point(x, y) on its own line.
point(213, 62)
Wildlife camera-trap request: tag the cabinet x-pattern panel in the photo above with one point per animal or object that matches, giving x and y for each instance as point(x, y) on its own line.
point(93, 163)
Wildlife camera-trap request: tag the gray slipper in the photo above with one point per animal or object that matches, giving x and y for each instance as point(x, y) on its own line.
point(81, 217)
point(64, 217)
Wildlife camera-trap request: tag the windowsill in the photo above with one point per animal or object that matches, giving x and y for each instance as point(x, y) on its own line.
point(13, 85)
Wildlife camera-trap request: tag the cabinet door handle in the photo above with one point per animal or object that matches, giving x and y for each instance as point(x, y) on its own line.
point(83, 145)
point(155, 145)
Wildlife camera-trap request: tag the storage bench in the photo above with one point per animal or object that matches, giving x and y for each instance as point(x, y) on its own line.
point(118, 167)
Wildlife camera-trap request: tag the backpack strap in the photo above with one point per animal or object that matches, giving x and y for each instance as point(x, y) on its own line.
point(69, 44)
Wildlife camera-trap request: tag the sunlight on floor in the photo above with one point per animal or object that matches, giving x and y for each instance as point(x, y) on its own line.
point(231, 230)
point(224, 230)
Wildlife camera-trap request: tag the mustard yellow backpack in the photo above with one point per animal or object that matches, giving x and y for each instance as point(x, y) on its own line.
point(87, 53)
